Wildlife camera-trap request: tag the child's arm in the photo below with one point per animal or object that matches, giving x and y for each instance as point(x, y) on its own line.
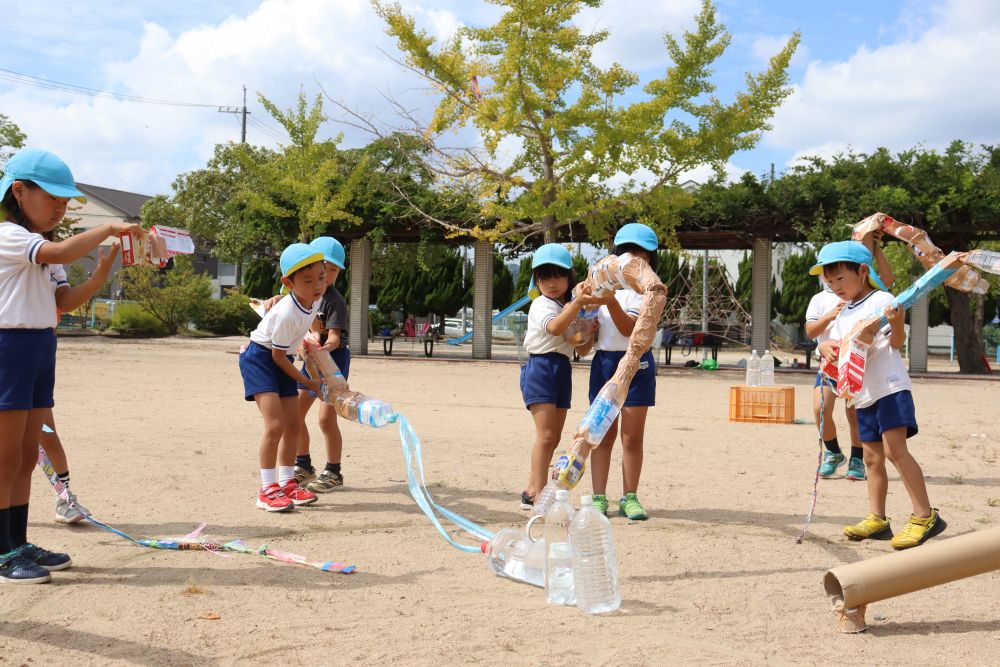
point(558, 324)
point(897, 320)
point(332, 340)
point(624, 322)
point(71, 298)
point(815, 327)
point(78, 245)
point(882, 262)
point(828, 350)
point(280, 357)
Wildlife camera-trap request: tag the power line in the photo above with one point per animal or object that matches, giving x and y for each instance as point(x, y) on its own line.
point(49, 84)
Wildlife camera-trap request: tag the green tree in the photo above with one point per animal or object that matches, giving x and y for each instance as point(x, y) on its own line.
point(797, 287)
point(531, 78)
point(261, 279)
point(744, 287)
point(11, 140)
point(172, 296)
point(503, 283)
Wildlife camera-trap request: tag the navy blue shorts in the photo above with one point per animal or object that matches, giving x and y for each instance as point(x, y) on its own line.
point(820, 378)
point(887, 413)
point(27, 368)
point(547, 378)
point(341, 357)
point(261, 375)
point(642, 391)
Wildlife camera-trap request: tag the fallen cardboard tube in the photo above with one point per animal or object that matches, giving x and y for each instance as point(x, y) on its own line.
point(852, 587)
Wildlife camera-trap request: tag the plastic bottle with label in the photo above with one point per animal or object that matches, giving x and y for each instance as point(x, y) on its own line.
point(365, 410)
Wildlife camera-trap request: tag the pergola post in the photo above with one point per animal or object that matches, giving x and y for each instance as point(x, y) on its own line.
point(920, 313)
point(361, 272)
point(482, 300)
point(760, 311)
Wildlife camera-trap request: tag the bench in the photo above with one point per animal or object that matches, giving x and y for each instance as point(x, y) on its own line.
point(427, 335)
point(809, 347)
point(689, 342)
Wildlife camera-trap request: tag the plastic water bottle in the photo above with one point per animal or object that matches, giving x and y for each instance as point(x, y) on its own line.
point(595, 574)
point(767, 369)
point(363, 409)
point(582, 328)
point(753, 370)
point(513, 555)
point(601, 414)
point(558, 554)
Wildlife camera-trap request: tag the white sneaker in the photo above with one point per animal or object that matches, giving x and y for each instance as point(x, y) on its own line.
point(66, 513)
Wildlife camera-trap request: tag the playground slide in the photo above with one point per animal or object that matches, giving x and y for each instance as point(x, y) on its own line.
point(499, 316)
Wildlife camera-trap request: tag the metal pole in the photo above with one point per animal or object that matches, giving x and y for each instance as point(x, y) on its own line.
point(465, 307)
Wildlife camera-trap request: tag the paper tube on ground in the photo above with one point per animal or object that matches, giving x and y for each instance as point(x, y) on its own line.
point(852, 587)
point(606, 276)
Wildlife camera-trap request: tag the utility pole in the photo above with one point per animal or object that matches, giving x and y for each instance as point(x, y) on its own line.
point(243, 139)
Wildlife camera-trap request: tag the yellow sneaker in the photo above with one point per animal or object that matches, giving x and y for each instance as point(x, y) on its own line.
point(919, 530)
point(870, 527)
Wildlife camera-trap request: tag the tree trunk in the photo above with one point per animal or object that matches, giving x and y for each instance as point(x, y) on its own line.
point(968, 338)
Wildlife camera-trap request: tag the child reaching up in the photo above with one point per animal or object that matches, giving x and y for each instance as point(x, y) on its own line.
point(546, 379)
point(886, 414)
point(269, 377)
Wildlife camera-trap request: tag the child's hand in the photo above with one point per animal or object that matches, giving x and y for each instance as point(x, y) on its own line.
point(105, 260)
point(896, 317)
point(269, 304)
point(877, 237)
point(133, 228)
point(829, 350)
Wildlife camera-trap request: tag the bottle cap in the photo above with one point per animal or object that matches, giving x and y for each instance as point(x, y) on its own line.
point(586, 501)
point(562, 495)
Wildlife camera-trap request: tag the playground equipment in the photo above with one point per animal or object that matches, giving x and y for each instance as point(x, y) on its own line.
point(853, 587)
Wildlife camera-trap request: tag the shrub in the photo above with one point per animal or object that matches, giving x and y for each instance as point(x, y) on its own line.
point(132, 320)
point(228, 316)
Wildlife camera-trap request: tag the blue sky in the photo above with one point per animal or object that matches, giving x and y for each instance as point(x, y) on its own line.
point(894, 72)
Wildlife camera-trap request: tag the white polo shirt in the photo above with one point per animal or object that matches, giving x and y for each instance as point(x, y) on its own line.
point(884, 370)
point(609, 338)
point(820, 305)
point(27, 294)
point(536, 339)
point(285, 325)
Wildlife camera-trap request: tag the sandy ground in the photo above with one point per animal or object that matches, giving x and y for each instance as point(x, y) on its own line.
point(160, 440)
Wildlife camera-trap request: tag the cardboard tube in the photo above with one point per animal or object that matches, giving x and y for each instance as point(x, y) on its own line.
point(853, 586)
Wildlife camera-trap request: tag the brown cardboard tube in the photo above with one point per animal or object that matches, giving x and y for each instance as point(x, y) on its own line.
point(938, 562)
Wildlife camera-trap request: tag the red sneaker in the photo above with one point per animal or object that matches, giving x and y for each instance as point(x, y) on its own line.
point(297, 494)
point(273, 500)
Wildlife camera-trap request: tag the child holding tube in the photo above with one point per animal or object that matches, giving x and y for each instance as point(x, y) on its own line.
point(885, 409)
point(546, 379)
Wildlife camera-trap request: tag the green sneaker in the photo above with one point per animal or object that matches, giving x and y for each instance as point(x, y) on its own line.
point(856, 469)
point(831, 462)
point(629, 506)
point(601, 503)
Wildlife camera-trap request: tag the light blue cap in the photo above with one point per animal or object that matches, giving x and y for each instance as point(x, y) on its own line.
point(639, 234)
point(332, 250)
point(45, 170)
point(847, 251)
point(297, 256)
point(552, 253)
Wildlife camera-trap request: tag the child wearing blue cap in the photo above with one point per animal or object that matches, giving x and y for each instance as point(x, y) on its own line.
point(330, 327)
point(35, 192)
point(616, 320)
point(885, 410)
point(822, 311)
point(270, 378)
point(547, 379)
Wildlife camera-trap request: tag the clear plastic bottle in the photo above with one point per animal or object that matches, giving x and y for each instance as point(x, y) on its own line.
point(558, 554)
point(601, 414)
point(513, 555)
point(363, 409)
point(767, 369)
point(595, 574)
point(582, 328)
point(753, 370)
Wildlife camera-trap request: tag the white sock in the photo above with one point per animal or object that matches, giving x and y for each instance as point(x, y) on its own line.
point(268, 476)
point(285, 474)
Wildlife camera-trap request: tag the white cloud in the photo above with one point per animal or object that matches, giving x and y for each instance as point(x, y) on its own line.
point(926, 89)
point(637, 28)
point(764, 47)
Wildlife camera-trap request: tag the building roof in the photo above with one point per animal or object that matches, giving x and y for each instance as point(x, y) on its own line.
point(129, 203)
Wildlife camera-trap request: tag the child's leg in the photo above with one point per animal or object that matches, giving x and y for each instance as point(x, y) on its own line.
point(600, 461)
point(909, 470)
point(331, 433)
point(852, 422)
point(633, 421)
point(828, 401)
point(21, 489)
point(305, 404)
point(12, 429)
point(878, 480)
point(271, 410)
point(53, 445)
point(288, 446)
point(549, 421)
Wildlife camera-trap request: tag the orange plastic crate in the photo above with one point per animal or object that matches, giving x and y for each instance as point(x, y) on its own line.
point(762, 405)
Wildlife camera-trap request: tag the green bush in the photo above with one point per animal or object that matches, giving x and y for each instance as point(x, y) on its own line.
point(228, 316)
point(991, 335)
point(132, 320)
